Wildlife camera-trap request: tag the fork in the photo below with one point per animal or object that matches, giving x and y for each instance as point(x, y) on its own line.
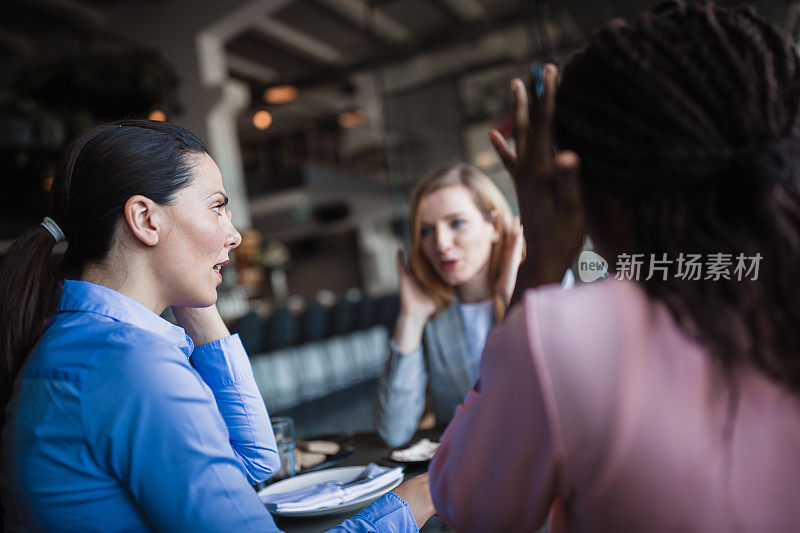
point(364, 477)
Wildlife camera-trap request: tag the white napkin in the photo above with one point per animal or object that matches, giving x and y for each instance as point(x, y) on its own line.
point(332, 494)
point(422, 450)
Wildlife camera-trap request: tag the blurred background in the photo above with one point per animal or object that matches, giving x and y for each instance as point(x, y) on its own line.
point(321, 114)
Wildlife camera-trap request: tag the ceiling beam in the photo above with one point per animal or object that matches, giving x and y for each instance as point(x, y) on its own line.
point(568, 24)
point(298, 40)
point(466, 10)
point(20, 44)
point(370, 19)
point(74, 11)
point(252, 69)
point(465, 33)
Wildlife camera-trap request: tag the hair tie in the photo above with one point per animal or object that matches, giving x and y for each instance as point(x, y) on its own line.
point(51, 226)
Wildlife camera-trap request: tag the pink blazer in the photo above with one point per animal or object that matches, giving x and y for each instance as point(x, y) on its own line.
point(595, 396)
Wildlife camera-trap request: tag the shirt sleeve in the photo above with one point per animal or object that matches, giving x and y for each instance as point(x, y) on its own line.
point(225, 368)
point(153, 425)
point(400, 399)
point(498, 466)
point(388, 514)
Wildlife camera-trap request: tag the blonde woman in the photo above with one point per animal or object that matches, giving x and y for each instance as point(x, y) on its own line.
point(466, 247)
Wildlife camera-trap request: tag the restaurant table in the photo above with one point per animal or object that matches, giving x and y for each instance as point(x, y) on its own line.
point(368, 448)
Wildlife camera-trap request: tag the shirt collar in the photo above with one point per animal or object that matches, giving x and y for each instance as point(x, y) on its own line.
point(87, 297)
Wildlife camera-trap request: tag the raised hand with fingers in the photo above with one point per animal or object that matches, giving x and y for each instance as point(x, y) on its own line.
point(203, 324)
point(513, 253)
point(547, 185)
point(416, 307)
point(413, 300)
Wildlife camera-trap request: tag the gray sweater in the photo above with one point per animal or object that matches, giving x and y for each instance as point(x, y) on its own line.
point(443, 361)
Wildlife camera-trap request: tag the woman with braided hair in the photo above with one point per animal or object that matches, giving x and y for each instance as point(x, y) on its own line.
point(667, 401)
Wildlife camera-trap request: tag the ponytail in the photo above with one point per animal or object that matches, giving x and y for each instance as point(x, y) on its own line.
point(97, 174)
point(29, 283)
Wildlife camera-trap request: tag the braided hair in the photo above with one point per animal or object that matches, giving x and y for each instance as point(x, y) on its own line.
point(688, 119)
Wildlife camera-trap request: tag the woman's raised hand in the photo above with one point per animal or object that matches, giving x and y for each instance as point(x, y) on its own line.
point(547, 185)
point(413, 299)
point(511, 259)
point(202, 324)
point(416, 307)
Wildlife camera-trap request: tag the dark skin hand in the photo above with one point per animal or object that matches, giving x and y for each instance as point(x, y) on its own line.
point(548, 187)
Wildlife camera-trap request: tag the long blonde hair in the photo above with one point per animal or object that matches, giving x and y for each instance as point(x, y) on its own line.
point(492, 205)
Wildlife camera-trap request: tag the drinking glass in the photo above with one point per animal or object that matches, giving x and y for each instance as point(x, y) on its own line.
point(283, 427)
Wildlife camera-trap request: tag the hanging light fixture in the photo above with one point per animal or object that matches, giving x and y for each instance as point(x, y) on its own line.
point(280, 94)
point(353, 118)
point(262, 120)
point(158, 115)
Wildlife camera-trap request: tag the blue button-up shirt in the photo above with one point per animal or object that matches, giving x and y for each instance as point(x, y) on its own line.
point(118, 423)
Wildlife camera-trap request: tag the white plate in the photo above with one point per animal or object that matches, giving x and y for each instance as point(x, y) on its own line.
point(344, 473)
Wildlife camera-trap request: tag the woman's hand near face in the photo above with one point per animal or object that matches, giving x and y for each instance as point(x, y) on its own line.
point(547, 186)
point(202, 324)
point(512, 257)
point(416, 307)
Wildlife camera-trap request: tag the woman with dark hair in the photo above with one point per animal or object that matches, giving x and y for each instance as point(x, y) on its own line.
point(115, 419)
point(668, 399)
